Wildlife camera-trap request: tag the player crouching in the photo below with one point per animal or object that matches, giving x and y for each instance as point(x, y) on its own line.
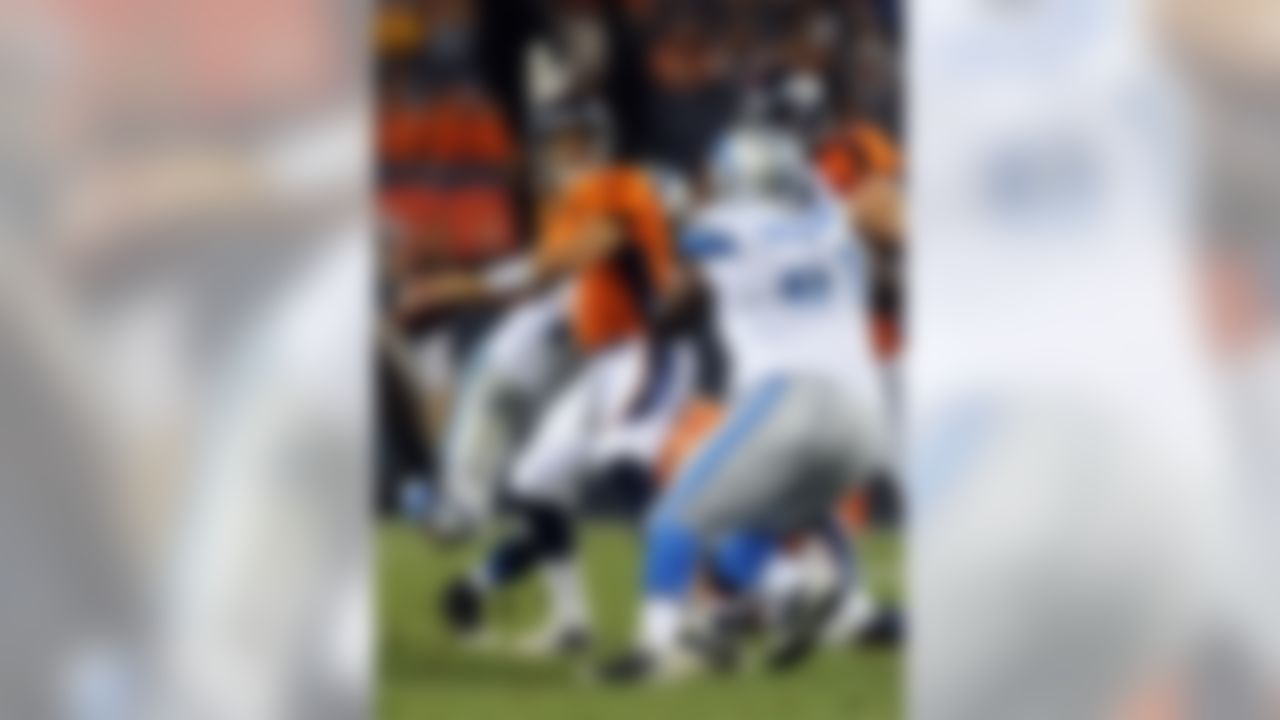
point(803, 414)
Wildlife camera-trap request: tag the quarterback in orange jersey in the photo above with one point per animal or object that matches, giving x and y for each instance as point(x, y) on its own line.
point(604, 233)
point(602, 226)
point(618, 208)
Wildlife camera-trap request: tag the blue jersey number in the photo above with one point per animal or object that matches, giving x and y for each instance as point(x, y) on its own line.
point(807, 285)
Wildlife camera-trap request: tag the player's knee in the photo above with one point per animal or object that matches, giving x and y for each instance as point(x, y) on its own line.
point(545, 475)
point(628, 485)
point(739, 559)
point(549, 528)
point(526, 488)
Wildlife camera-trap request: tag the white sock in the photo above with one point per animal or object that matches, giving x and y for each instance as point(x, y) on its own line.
point(565, 593)
point(660, 625)
point(857, 609)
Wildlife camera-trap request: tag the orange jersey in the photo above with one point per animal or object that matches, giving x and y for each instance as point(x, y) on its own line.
point(611, 295)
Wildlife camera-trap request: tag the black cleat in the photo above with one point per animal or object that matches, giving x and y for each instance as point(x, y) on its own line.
point(574, 641)
point(462, 608)
point(563, 641)
point(803, 621)
point(719, 644)
point(886, 630)
point(635, 667)
point(639, 667)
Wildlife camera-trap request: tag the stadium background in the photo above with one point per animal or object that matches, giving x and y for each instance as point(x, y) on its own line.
point(458, 83)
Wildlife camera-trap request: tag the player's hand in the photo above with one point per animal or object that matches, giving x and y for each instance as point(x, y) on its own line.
point(877, 212)
point(434, 294)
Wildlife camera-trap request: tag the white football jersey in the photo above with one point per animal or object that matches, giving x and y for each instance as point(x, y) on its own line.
point(788, 279)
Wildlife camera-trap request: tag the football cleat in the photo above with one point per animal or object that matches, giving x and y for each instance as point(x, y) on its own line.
point(800, 629)
point(885, 630)
point(640, 667)
point(556, 641)
point(462, 608)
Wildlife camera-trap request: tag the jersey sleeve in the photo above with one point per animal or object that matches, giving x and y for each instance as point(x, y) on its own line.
point(642, 207)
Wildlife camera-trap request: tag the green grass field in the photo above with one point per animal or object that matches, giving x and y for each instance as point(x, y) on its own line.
point(423, 674)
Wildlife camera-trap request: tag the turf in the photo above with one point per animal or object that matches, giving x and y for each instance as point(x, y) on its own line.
point(424, 674)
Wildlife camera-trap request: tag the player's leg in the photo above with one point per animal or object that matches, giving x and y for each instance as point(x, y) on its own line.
point(502, 388)
point(801, 593)
point(734, 567)
point(827, 602)
point(700, 505)
point(543, 484)
point(806, 592)
point(617, 414)
point(478, 443)
point(860, 619)
point(641, 400)
point(778, 465)
point(738, 561)
point(642, 397)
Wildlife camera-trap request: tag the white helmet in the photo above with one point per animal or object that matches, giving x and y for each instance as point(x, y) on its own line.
point(761, 162)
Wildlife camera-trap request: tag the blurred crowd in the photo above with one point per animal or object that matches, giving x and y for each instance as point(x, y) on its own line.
point(460, 80)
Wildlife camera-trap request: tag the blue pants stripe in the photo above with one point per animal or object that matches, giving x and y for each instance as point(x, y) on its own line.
point(671, 548)
point(713, 455)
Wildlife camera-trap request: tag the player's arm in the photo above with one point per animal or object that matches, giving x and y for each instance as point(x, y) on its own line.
point(686, 310)
point(513, 278)
point(877, 213)
point(682, 300)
